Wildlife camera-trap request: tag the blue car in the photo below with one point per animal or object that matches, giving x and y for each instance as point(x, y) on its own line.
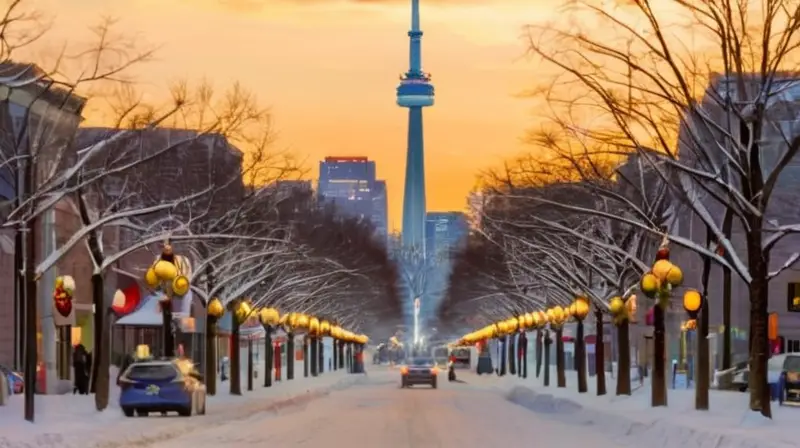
point(162, 386)
point(16, 385)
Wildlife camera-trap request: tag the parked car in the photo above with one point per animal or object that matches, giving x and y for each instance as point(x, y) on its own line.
point(168, 385)
point(789, 391)
point(419, 371)
point(16, 383)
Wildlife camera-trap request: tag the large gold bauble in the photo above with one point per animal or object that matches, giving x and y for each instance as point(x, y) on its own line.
point(215, 308)
point(180, 286)
point(650, 284)
point(661, 268)
point(165, 271)
point(313, 326)
point(616, 305)
point(302, 321)
point(269, 316)
point(150, 278)
point(512, 324)
point(502, 328)
point(692, 301)
point(325, 328)
point(292, 319)
point(675, 276)
point(581, 308)
point(243, 311)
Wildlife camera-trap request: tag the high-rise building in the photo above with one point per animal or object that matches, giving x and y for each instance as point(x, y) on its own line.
point(444, 232)
point(349, 185)
point(415, 92)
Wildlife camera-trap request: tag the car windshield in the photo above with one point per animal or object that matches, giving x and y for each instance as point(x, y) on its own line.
point(152, 372)
point(422, 362)
point(792, 364)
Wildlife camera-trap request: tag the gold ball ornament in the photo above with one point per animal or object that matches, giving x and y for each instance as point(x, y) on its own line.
point(165, 270)
point(521, 322)
point(675, 276)
point(269, 316)
point(661, 268)
point(650, 284)
point(302, 321)
point(151, 278)
point(325, 328)
point(582, 308)
point(528, 320)
point(313, 326)
point(512, 324)
point(215, 308)
point(180, 286)
point(692, 301)
point(242, 312)
point(616, 305)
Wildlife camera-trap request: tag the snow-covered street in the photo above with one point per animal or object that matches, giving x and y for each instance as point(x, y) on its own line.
point(376, 412)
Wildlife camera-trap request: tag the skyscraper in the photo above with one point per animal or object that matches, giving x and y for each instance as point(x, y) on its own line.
point(444, 232)
point(349, 185)
point(414, 92)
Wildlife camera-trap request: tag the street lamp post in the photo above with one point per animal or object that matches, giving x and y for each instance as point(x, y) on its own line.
point(269, 318)
point(170, 275)
point(289, 322)
point(214, 312)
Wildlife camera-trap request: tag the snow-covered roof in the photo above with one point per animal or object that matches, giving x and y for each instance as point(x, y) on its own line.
point(149, 313)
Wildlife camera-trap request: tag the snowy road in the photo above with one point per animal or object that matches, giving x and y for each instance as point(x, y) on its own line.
point(378, 413)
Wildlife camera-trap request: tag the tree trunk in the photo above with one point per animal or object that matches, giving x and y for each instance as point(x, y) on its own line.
point(289, 356)
point(759, 350)
point(236, 357)
point(341, 355)
point(168, 348)
point(211, 355)
point(539, 352)
point(250, 366)
point(580, 358)
point(523, 358)
point(305, 356)
point(561, 374)
point(314, 341)
point(101, 355)
point(727, 297)
point(512, 354)
point(599, 353)
point(269, 356)
point(334, 353)
point(703, 362)
point(321, 364)
point(31, 315)
point(624, 361)
point(503, 341)
point(547, 344)
point(658, 392)
point(19, 299)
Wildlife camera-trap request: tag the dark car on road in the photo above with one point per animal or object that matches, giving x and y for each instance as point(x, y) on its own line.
point(419, 371)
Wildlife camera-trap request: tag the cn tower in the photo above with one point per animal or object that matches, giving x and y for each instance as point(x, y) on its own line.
point(414, 92)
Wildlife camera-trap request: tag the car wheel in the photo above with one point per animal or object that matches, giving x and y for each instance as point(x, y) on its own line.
point(185, 412)
point(141, 413)
point(128, 412)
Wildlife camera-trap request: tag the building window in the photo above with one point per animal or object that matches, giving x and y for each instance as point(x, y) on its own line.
point(793, 346)
point(793, 298)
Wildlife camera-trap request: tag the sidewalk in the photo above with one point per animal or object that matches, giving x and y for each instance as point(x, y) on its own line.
point(728, 424)
point(72, 421)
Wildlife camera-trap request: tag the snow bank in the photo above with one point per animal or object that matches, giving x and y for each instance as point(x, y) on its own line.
point(630, 419)
point(72, 421)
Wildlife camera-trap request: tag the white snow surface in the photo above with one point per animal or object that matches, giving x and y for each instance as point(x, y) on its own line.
point(72, 421)
point(727, 424)
point(378, 413)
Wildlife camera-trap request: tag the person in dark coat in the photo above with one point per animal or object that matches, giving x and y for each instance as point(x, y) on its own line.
point(81, 363)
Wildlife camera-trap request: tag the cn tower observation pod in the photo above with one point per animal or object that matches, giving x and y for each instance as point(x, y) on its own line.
point(415, 90)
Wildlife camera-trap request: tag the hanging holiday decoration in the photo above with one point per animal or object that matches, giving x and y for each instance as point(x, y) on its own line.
point(63, 294)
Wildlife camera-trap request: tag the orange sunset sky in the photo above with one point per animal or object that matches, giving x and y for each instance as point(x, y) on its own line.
point(328, 70)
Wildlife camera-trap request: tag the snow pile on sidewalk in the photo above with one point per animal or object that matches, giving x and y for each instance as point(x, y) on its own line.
point(72, 421)
point(630, 419)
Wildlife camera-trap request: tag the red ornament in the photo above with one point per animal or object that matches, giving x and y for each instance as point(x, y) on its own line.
point(64, 306)
point(662, 254)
